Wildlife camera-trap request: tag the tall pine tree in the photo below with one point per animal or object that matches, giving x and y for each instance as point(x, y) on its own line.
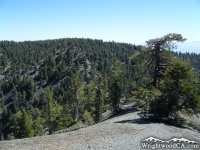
point(24, 126)
point(115, 91)
point(99, 98)
point(51, 112)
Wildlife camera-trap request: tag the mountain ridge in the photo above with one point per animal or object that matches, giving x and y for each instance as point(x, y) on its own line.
point(29, 68)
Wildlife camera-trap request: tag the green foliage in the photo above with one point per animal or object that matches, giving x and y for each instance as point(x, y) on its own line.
point(88, 96)
point(99, 98)
point(115, 90)
point(71, 67)
point(178, 95)
point(10, 137)
point(193, 125)
point(87, 118)
point(51, 112)
point(38, 122)
point(176, 84)
point(166, 42)
point(76, 86)
point(156, 55)
point(24, 126)
point(180, 90)
point(75, 126)
point(144, 96)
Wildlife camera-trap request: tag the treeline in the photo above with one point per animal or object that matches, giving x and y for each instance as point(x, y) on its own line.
point(193, 58)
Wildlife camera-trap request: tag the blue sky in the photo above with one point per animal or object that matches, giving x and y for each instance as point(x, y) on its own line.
point(129, 21)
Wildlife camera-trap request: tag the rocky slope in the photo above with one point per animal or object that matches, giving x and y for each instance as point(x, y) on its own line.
point(124, 131)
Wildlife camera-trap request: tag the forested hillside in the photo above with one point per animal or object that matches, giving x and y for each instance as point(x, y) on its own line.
point(50, 85)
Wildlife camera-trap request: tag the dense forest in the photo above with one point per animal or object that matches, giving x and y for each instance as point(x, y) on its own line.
point(51, 85)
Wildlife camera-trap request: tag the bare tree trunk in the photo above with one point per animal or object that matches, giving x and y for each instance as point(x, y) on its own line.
point(157, 68)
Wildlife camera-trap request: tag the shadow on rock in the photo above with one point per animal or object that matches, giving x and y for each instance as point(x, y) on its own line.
point(110, 115)
point(136, 121)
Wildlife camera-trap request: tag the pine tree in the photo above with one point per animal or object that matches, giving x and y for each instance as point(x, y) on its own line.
point(157, 54)
point(99, 98)
point(88, 96)
point(178, 94)
point(24, 126)
point(115, 91)
point(38, 121)
point(51, 112)
point(77, 85)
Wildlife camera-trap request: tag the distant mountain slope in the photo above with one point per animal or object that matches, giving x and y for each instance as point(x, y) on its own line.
point(28, 68)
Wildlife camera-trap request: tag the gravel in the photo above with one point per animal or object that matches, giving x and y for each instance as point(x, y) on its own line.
point(123, 132)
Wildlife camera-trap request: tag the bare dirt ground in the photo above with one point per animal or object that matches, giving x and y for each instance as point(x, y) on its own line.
point(125, 131)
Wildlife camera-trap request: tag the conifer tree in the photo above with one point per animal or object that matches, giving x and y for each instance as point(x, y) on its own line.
point(99, 98)
point(24, 126)
point(88, 96)
point(115, 91)
point(157, 54)
point(178, 95)
point(51, 112)
point(38, 121)
point(77, 85)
